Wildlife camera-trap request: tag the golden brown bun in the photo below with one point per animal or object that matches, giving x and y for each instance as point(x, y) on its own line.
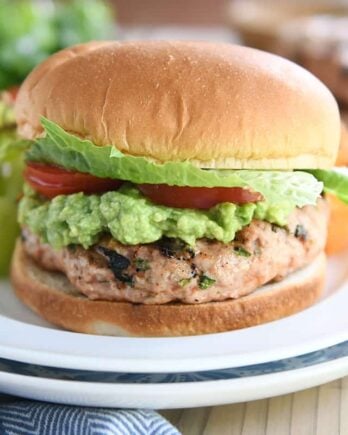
point(52, 296)
point(218, 105)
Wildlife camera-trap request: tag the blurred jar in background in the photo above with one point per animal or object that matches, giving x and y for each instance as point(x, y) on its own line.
point(320, 44)
point(312, 33)
point(260, 21)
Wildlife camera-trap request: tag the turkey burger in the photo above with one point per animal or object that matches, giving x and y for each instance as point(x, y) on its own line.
point(173, 188)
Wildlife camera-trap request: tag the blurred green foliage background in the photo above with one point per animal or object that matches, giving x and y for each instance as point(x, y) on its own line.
point(32, 30)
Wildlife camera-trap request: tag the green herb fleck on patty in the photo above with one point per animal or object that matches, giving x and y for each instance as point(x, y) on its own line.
point(184, 282)
point(141, 265)
point(239, 250)
point(205, 282)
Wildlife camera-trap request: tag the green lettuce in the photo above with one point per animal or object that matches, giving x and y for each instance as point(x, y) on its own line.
point(71, 152)
point(335, 181)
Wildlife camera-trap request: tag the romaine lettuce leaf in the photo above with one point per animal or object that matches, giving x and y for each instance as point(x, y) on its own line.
point(71, 152)
point(335, 181)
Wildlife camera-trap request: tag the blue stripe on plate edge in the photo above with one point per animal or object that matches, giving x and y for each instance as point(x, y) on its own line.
point(310, 359)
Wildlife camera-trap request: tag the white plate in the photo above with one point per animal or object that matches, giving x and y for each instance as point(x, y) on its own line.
point(175, 391)
point(25, 337)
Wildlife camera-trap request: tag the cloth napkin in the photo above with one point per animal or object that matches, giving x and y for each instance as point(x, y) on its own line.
point(23, 417)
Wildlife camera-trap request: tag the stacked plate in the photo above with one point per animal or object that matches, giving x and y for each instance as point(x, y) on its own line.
point(41, 362)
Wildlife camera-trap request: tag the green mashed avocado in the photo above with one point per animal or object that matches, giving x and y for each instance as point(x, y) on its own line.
point(131, 218)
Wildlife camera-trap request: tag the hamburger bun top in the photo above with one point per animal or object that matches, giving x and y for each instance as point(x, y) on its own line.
point(217, 105)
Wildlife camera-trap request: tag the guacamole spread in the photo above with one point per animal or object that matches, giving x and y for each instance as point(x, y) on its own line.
point(131, 218)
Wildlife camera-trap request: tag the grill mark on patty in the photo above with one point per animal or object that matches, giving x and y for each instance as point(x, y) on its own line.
point(117, 263)
point(175, 248)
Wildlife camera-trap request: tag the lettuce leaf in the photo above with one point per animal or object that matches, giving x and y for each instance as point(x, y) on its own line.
point(64, 149)
point(335, 181)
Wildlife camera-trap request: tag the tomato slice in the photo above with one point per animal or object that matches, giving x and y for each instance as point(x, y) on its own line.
point(52, 181)
point(197, 197)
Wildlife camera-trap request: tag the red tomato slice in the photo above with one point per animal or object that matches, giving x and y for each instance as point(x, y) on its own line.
point(197, 197)
point(52, 181)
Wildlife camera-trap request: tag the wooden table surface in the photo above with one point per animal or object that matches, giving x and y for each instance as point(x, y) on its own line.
point(320, 411)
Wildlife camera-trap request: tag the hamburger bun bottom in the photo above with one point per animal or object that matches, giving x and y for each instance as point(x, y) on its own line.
point(54, 298)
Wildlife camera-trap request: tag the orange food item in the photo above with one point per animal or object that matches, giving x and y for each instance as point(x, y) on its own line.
point(337, 240)
point(342, 158)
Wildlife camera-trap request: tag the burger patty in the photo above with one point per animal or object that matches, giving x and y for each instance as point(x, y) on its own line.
point(170, 270)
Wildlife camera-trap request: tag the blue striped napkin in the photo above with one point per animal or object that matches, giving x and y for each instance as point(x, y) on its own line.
point(28, 418)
